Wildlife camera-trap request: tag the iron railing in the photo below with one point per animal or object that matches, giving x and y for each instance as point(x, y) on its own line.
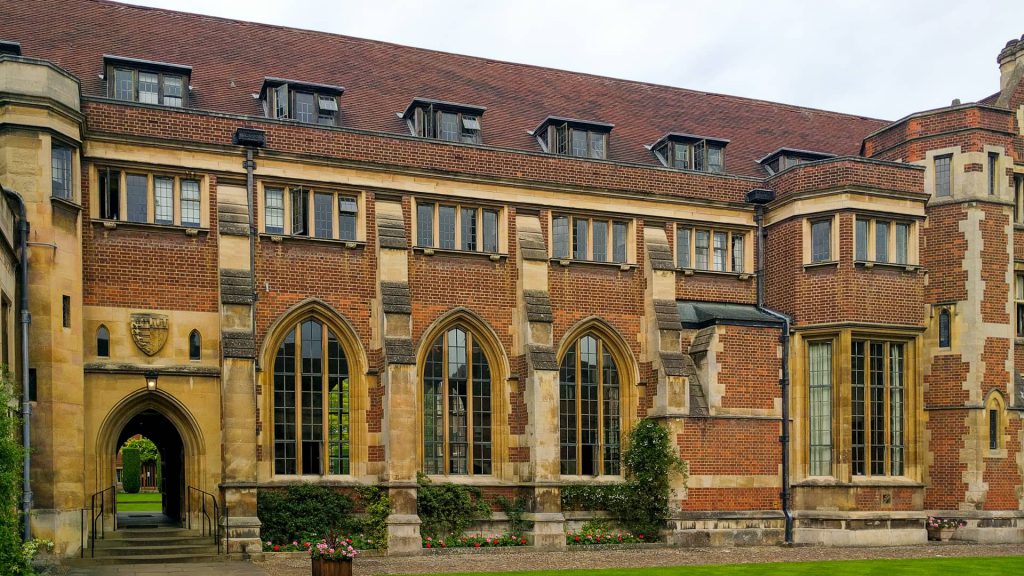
point(98, 513)
point(197, 501)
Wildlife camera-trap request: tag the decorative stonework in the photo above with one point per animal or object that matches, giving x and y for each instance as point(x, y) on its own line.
point(149, 331)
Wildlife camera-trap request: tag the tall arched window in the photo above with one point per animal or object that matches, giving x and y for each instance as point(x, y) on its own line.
point(456, 406)
point(311, 402)
point(103, 342)
point(589, 421)
point(195, 345)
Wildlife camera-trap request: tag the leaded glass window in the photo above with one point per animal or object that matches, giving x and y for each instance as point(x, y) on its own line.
point(311, 402)
point(457, 418)
point(590, 421)
point(820, 377)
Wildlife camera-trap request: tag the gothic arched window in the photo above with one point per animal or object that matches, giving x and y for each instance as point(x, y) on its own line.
point(195, 345)
point(311, 402)
point(103, 342)
point(456, 406)
point(589, 420)
point(944, 338)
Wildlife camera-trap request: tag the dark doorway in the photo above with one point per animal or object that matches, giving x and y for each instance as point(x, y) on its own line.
point(162, 432)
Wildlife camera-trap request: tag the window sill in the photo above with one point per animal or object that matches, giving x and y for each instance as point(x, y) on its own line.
point(65, 204)
point(581, 479)
point(430, 251)
point(996, 454)
point(115, 224)
point(824, 264)
point(623, 266)
point(699, 272)
point(859, 482)
point(350, 244)
point(867, 264)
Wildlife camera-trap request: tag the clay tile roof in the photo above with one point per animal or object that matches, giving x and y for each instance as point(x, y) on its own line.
point(230, 60)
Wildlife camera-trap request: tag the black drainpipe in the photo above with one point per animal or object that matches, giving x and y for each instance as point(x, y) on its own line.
point(25, 319)
point(760, 197)
point(251, 138)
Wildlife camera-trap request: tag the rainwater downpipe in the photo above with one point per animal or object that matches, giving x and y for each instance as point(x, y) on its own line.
point(760, 197)
point(25, 318)
point(252, 139)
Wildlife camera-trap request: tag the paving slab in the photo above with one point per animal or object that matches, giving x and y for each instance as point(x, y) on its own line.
point(199, 569)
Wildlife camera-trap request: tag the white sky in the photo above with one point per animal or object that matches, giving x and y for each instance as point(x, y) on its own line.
point(877, 58)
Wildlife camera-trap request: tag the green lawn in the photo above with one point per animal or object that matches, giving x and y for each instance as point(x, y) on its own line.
point(925, 566)
point(141, 502)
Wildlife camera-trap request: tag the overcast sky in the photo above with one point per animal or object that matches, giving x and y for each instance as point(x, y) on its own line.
point(878, 58)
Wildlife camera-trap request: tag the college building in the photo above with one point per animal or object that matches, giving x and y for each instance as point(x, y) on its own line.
point(290, 256)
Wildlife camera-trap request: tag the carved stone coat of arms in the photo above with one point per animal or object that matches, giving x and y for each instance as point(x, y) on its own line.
point(149, 331)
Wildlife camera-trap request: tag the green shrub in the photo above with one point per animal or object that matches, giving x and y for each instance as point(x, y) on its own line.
point(377, 506)
point(446, 510)
point(302, 510)
point(514, 508)
point(605, 497)
point(131, 469)
point(10, 485)
point(650, 460)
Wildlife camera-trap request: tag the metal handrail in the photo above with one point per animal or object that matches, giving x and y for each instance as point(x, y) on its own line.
point(213, 522)
point(101, 516)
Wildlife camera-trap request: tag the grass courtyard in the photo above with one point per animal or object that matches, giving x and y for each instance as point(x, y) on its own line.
point(982, 566)
point(141, 502)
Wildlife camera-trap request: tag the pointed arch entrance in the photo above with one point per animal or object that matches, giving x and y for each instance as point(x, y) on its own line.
point(160, 417)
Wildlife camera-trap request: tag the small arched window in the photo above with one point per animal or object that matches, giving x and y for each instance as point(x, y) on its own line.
point(103, 342)
point(195, 345)
point(993, 412)
point(944, 338)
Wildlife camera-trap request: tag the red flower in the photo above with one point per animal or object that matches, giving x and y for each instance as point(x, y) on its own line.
point(428, 544)
point(577, 538)
point(641, 536)
point(476, 545)
point(277, 548)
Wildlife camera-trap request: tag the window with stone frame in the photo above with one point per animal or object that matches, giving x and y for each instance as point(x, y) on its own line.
point(995, 421)
point(313, 212)
point(457, 406)
point(589, 416)
point(872, 404)
point(62, 171)
point(103, 342)
point(943, 175)
point(710, 249)
point(456, 226)
point(884, 241)
point(821, 240)
point(1019, 304)
point(1018, 198)
point(311, 402)
point(148, 198)
point(590, 238)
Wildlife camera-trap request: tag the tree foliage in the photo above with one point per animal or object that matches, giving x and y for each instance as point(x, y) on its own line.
point(147, 450)
point(10, 484)
point(131, 470)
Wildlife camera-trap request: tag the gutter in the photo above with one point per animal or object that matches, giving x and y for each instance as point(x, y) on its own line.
point(25, 318)
point(761, 197)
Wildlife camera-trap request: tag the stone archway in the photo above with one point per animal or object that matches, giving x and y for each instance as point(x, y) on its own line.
point(163, 419)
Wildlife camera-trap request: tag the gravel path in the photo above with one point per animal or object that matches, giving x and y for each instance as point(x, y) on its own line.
point(588, 559)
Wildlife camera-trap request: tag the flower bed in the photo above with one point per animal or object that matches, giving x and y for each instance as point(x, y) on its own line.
point(938, 523)
point(358, 542)
point(591, 539)
point(477, 541)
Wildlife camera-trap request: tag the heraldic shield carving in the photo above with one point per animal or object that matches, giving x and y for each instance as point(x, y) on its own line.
point(149, 331)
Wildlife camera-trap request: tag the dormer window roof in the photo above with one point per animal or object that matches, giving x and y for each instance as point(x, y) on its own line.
point(307, 102)
point(691, 152)
point(574, 137)
point(784, 158)
point(147, 81)
point(448, 121)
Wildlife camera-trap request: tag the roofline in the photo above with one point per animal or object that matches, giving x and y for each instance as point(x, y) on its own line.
point(495, 60)
point(552, 119)
point(153, 63)
point(685, 136)
point(338, 90)
point(923, 113)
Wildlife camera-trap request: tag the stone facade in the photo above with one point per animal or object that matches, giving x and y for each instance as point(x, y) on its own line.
point(905, 332)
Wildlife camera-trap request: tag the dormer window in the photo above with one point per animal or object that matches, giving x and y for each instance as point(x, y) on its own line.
point(446, 121)
point(147, 82)
point(784, 158)
point(303, 101)
point(689, 152)
point(579, 138)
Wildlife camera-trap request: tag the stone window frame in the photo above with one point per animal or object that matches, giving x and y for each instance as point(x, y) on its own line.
point(151, 175)
point(459, 205)
point(808, 223)
point(291, 323)
point(1018, 301)
point(842, 409)
point(102, 341)
point(195, 345)
point(312, 190)
point(912, 246)
point(732, 234)
point(497, 361)
point(611, 222)
point(1018, 198)
point(995, 406)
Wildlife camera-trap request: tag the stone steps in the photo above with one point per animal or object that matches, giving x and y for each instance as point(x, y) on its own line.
point(157, 545)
